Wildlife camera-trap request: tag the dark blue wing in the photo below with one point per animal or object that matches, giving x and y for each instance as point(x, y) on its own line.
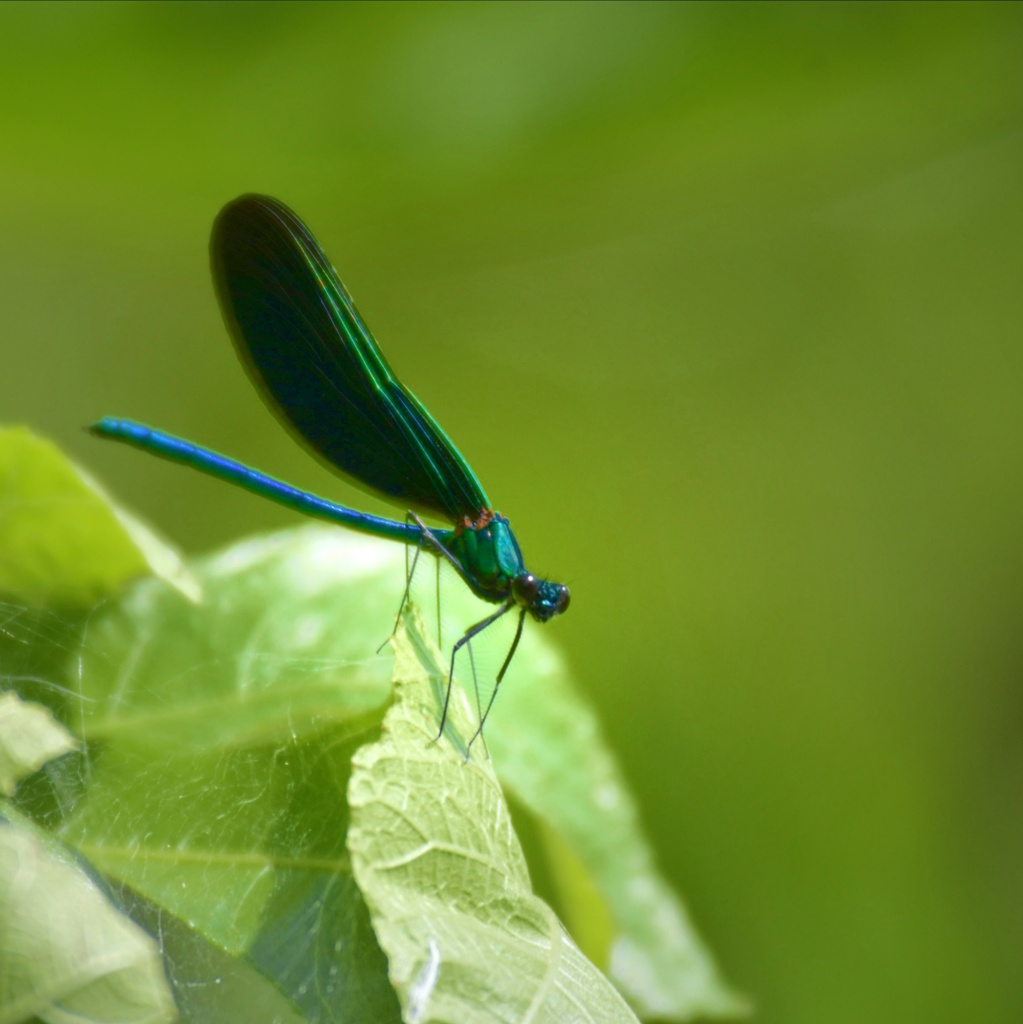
point(318, 368)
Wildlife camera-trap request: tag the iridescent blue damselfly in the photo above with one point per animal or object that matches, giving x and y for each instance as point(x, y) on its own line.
point(316, 365)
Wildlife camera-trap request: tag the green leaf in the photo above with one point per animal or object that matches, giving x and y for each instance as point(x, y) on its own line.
point(550, 754)
point(62, 542)
point(66, 953)
point(220, 739)
point(280, 646)
point(551, 757)
point(214, 784)
point(211, 788)
point(29, 737)
point(447, 885)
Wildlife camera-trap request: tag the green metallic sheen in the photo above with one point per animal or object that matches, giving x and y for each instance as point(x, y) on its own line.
point(493, 552)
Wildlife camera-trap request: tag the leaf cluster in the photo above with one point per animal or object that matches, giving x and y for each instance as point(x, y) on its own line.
point(216, 803)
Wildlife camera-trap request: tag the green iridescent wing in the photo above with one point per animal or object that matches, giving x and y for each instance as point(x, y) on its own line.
point(319, 370)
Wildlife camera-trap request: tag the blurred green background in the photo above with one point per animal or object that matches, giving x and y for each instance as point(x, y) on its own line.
point(723, 304)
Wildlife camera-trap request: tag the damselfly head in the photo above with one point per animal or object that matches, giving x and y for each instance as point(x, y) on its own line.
point(541, 598)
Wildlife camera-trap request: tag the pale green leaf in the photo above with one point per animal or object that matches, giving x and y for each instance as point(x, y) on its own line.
point(221, 736)
point(551, 757)
point(67, 955)
point(29, 737)
point(61, 540)
point(549, 752)
point(445, 879)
